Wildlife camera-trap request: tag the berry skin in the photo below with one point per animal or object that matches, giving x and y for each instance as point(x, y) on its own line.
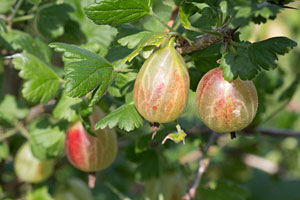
point(225, 106)
point(30, 169)
point(89, 153)
point(162, 86)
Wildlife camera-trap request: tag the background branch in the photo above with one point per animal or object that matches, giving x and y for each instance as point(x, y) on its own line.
point(203, 164)
point(204, 41)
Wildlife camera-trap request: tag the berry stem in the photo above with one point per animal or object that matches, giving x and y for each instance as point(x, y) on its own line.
point(92, 179)
point(233, 135)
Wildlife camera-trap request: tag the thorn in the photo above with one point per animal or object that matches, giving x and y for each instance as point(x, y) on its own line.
point(233, 135)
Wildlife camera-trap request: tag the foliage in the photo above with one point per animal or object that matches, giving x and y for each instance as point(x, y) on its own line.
point(59, 58)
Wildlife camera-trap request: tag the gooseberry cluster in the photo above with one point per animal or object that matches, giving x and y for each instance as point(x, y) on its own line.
point(162, 87)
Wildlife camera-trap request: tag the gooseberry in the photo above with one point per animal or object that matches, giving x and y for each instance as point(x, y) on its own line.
point(30, 169)
point(162, 86)
point(225, 106)
point(91, 153)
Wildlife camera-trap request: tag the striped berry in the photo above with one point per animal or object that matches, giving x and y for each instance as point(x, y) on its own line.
point(225, 106)
point(89, 153)
point(162, 86)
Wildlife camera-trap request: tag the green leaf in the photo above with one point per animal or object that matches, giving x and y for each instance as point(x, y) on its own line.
point(117, 12)
point(249, 59)
point(134, 40)
point(206, 59)
point(39, 194)
point(234, 65)
point(99, 92)
point(74, 52)
point(123, 84)
point(126, 117)
point(51, 18)
point(6, 5)
point(84, 76)
point(3, 26)
point(42, 81)
point(153, 39)
point(23, 41)
point(4, 151)
point(66, 108)
point(47, 139)
point(11, 110)
point(264, 53)
point(86, 71)
point(186, 10)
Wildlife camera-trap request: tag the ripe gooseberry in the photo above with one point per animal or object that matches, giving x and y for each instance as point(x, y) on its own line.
point(91, 153)
point(162, 86)
point(225, 106)
point(30, 169)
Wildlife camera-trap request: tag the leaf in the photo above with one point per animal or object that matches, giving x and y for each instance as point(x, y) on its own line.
point(84, 76)
point(42, 81)
point(126, 117)
point(264, 53)
point(117, 12)
point(234, 65)
point(3, 26)
point(39, 194)
point(74, 52)
point(186, 10)
point(155, 39)
point(206, 59)
point(243, 13)
point(47, 139)
point(51, 19)
point(6, 5)
point(11, 110)
point(85, 72)
point(249, 59)
point(19, 40)
point(99, 92)
point(134, 40)
point(4, 151)
point(66, 108)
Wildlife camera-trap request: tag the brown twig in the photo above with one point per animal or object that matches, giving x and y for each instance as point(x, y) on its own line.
point(172, 18)
point(203, 164)
point(37, 110)
point(204, 41)
point(264, 131)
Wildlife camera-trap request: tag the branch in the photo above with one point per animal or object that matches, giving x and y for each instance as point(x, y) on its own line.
point(278, 132)
point(263, 131)
point(172, 18)
point(204, 41)
point(39, 109)
point(203, 164)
